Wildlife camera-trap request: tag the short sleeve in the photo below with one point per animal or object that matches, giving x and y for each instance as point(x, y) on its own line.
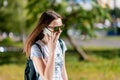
point(64, 46)
point(35, 51)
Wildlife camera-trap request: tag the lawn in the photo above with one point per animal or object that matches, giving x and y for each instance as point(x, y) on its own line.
point(103, 66)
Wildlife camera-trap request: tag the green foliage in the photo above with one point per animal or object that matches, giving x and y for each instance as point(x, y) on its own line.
point(10, 16)
point(14, 18)
point(9, 42)
point(6, 17)
point(12, 58)
point(82, 19)
point(115, 12)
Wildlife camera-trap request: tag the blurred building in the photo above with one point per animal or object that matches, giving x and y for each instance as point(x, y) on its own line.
point(104, 3)
point(111, 3)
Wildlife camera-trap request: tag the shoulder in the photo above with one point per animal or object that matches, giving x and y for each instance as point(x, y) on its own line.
point(34, 47)
point(35, 51)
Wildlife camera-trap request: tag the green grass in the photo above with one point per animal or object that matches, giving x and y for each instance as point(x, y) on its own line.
point(12, 66)
point(105, 65)
point(11, 72)
point(102, 68)
point(112, 38)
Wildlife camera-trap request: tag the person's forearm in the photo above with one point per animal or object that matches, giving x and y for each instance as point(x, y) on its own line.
point(64, 75)
point(49, 67)
point(64, 72)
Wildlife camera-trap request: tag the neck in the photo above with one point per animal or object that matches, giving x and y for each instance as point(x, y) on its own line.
point(44, 40)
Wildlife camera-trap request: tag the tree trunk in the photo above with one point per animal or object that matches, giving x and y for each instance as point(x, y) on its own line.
point(77, 48)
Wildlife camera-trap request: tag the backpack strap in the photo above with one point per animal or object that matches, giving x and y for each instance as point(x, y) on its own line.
point(40, 49)
point(61, 44)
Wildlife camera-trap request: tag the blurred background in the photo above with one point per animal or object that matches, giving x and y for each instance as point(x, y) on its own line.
point(91, 33)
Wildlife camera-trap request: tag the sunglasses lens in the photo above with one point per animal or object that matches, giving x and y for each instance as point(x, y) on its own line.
point(56, 29)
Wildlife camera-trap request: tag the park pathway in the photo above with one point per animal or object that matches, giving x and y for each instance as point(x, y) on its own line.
point(98, 42)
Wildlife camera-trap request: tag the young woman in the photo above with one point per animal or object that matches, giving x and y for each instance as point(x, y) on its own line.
point(52, 65)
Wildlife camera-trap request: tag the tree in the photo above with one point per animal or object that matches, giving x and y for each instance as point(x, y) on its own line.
point(12, 16)
point(115, 12)
point(76, 15)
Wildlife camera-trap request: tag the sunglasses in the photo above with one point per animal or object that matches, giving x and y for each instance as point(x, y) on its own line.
point(55, 29)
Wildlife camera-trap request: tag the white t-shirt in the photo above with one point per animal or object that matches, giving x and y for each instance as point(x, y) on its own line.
point(35, 51)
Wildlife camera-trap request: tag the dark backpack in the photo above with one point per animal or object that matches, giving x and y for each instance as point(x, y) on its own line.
point(30, 73)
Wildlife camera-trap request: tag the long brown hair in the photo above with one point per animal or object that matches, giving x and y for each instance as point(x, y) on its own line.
point(37, 34)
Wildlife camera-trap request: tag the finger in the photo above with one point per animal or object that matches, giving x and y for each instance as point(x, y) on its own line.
point(52, 36)
point(49, 37)
point(59, 30)
point(57, 34)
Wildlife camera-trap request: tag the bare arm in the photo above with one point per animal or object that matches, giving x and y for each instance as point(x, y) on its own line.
point(64, 72)
point(45, 69)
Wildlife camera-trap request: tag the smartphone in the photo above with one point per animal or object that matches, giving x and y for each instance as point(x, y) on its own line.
point(46, 31)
